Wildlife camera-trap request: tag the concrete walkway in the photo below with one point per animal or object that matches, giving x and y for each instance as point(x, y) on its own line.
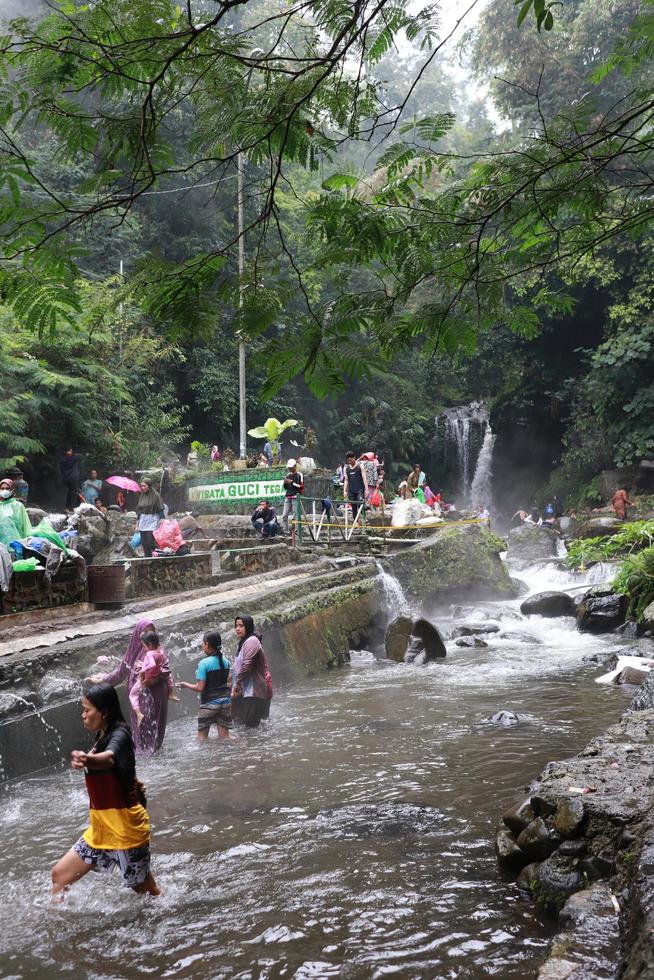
point(48, 633)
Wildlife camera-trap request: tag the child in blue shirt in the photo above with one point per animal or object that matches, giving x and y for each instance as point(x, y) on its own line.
point(213, 684)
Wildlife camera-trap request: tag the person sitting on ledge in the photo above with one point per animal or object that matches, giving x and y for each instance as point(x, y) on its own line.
point(264, 519)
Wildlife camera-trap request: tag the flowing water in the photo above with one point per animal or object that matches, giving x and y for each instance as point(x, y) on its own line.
point(481, 489)
point(352, 838)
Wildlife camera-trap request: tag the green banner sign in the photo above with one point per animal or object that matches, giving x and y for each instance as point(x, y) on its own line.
point(235, 491)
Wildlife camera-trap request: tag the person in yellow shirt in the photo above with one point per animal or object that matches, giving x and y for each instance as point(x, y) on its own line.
point(119, 831)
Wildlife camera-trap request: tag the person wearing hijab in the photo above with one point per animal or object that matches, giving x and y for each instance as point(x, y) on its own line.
point(14, 522)
point(153, 700)
point(249, 684)
point(149, 509)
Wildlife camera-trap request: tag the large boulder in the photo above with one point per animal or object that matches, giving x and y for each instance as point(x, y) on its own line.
point(454, 563)
point(548, 604)
point(647, 618)
point(94, 532)
point(601, 610)
point(529, 543)
point(598, 527)
point(413, 641)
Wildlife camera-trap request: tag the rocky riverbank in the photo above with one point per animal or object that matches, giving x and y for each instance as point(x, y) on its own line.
point(582, 845)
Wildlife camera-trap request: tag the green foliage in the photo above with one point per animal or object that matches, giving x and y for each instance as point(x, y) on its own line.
point(636, 580)
point(633, 537)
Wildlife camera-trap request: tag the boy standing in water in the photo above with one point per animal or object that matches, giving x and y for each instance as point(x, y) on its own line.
point(213, 684)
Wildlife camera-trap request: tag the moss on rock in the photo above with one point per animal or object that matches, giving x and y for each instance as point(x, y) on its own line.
point(455, 563)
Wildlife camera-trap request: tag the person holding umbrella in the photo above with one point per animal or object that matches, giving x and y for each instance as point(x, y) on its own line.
point(150, 509)
point(123, 483)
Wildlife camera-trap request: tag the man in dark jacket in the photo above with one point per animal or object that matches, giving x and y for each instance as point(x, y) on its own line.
point(264, 519)
point(69, 466)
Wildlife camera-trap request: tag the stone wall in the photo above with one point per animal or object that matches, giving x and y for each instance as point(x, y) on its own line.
point(307, 627)
point(160, 576)
point(583, 842)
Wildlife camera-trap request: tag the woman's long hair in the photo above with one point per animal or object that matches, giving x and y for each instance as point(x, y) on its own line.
point(104, 697)
point(248, 622)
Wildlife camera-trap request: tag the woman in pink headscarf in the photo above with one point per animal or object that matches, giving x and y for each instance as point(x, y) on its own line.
point(153, 699)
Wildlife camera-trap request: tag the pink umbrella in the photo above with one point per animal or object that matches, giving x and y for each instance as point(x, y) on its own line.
point(124, 483)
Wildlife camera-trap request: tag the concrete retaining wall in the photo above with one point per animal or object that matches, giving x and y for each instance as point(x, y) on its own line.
point(307, 627)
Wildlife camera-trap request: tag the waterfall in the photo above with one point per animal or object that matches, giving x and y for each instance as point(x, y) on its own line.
point(395, 601)
point(467, 449)
point(480, 491)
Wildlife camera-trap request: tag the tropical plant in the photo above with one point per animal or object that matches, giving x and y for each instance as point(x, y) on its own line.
point(636, 580)
point(271, 430)
point(633, 537)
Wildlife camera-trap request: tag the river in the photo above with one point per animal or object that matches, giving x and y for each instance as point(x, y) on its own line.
point(352, 838)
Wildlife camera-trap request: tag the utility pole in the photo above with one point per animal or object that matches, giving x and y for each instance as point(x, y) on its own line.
point(242, 426)
point(242, 429)
point(120, 357)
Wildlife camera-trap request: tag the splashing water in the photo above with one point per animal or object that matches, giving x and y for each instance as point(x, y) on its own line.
point(480, 491)
point(395, 602)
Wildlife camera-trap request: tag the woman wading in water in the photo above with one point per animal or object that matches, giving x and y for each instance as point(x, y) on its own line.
point(250, 687)
point(119, 831)
point(153, 699)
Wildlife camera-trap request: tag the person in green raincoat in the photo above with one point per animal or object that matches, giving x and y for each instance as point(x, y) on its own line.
point(14, 522)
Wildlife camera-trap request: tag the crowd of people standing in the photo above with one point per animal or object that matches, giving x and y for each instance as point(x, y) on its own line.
point(118, 835)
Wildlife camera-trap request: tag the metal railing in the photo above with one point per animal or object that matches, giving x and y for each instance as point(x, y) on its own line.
point(319, 522)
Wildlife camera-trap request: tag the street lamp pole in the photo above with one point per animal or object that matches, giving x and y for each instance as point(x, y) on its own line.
point(241, 340)
point(240, 207)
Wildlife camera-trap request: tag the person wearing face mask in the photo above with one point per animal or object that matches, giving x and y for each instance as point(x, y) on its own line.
point(14, 522)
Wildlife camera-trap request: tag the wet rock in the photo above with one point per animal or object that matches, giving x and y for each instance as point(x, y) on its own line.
point(54, 688)
point(470, 641)
point(521, 588)
point(643, 700)
point(505, 719)
point(630, 630)
point(526, 877)
point(408, 639)
point(536, 840)
point(548, 604)
point(572, 848)
point(601, 610)
point(509, 855)
point(473, 629)
point(588, 948)
point(647, 618)
point(555, 880)
point(456, 563)
point(598, 866)
point(598, 527)
point(529, 543)
point(569, 817)
point(632, 675)
point(93, 530)
point(521, 636)
point(519, 816)
point(36, 515)
point(398, 636)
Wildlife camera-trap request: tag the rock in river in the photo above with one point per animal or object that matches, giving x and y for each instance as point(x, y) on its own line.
point(601, 610)
point(413, 641)
point(455, 563)
point(470, 641)
point(473, 629)
point(548, 604)
point(529, 543)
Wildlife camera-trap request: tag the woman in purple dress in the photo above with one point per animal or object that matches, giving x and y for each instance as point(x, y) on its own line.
point(153, 700)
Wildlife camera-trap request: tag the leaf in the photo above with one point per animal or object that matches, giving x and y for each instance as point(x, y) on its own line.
point(339, 182)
